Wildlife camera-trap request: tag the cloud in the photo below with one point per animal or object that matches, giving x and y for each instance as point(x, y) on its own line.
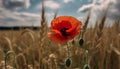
point(49, 4)
point(14, 18)
point(85, 8)
point(9, 15)
point(26, 14)
point(15, 4)
point(52, 4)
point(49, 14)
point(9, 18)
point(67, 1)
point(81, 18)
point(98, 6)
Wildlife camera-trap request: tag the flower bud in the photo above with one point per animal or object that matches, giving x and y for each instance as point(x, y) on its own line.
point(81, 41)
point(86, 66)
point(68, 62)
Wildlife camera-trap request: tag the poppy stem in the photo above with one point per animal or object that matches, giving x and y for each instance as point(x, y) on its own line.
point(68, 50)
point(82, 32)
point(86, 54)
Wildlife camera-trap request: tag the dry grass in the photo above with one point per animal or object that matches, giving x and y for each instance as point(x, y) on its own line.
point(33, 49)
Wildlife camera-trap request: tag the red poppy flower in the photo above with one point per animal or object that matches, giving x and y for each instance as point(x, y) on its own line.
point(64, 28)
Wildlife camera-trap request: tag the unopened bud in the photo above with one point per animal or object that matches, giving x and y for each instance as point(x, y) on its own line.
point(68, 62)
point(86, 66)
point(81, 41)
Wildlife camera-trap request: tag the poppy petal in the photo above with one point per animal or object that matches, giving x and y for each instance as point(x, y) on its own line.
point(62, 24)
point(75, 28)
point(56, 38)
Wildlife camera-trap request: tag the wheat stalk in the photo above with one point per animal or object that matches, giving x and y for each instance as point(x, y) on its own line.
point(98, 42)
point(23, 58)
point(85, 25)
point(43, 29)
point(55, 15)
point(9, 43)
point(98, 34)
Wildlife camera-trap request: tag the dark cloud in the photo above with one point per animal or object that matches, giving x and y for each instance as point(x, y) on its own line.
point(15, 4)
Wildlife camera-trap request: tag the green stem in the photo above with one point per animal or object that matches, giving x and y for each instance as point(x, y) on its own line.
point(68, 50)
point(86, 54)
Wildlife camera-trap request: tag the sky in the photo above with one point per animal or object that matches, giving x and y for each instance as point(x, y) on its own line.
point(28, 12)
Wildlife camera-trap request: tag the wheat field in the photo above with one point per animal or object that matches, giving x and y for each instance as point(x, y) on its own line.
point(32, 49)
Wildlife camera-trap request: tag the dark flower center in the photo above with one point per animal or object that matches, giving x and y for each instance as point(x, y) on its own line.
point(64, 33)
